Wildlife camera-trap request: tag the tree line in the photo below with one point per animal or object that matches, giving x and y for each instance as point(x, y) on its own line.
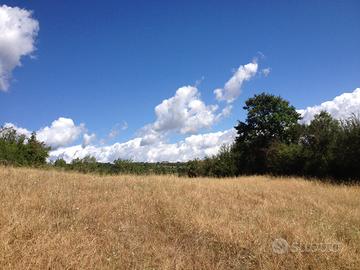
point(271, 140)
point(89, 164)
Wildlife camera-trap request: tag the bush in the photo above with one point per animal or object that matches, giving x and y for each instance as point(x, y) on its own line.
point(19, 150)
point(346, 162)
point(286, 159)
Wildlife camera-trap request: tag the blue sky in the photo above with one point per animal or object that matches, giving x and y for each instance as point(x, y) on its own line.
point(103, 63)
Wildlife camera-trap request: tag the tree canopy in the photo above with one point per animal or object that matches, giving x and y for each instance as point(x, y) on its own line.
point(269, 119)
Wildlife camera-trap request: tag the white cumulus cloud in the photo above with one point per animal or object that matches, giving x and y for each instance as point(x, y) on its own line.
point(18, 31)
point(185, 112)
point(194, 146)
point(19, 130)
point(150, 136)
point(341, 107)
point(62, 132)
point(232, 88)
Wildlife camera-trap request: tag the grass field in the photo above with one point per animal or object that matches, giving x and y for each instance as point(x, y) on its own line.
point(56, 220)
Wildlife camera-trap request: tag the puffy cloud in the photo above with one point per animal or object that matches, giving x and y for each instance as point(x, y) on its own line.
point(88, 139)
point(340, 107)
point(150, 136)
point(185, 112)
point(232, 88)
point(62, 132)
point(194, 146)
point(18, 31)
point(19, 130)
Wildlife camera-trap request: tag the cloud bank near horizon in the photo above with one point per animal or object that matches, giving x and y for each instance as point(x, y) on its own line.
point(184, 114)
point(194, 146)
point(18, 31)
point(63, 131)
point(341, 107)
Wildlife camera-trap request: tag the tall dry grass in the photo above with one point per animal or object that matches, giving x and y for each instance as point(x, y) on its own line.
point(55, 220)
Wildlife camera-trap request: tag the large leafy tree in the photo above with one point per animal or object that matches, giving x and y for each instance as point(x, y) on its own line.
point(269, 119)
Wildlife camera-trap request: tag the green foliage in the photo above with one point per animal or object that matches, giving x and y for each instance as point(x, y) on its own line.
point(224, 164)
point(269, 119)
point(286, 159)
point(195, 168)
point(89, 164)
point(61, 163)
point(220, 165)
point(346, 163)
point(85, 165)
point(272, 141)
point(319, 141)
point(16, 149)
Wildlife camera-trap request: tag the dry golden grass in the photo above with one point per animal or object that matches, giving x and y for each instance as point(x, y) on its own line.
point(56, 220)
